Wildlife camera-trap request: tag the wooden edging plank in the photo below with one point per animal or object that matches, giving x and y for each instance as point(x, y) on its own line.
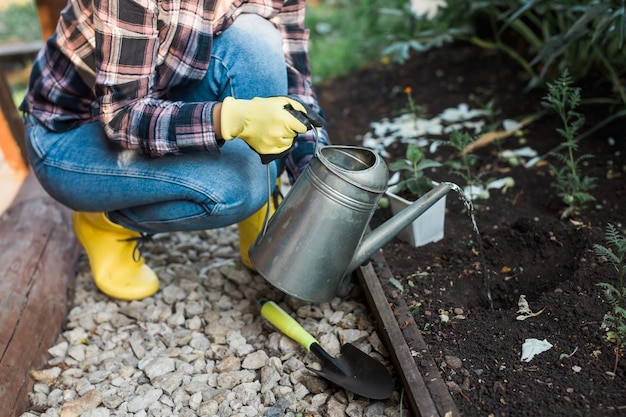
point(38, 255)
point(428, 396)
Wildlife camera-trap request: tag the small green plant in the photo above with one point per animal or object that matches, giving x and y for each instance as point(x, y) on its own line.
point(572, 186)
point(413, 179)
point(464, 165)
point(615, 321)
point(412, 107)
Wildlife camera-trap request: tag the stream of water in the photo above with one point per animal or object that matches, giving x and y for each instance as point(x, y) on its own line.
point(467, 201)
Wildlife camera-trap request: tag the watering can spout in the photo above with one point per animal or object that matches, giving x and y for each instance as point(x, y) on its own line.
point(378, 237)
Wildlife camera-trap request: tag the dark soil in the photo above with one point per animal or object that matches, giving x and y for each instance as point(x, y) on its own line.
point(527, 249)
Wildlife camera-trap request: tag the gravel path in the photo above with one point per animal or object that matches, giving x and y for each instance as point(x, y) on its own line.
point(200, 347)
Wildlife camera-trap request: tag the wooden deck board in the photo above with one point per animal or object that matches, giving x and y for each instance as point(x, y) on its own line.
point(38, 254)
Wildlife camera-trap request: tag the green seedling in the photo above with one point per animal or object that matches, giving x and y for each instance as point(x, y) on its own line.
point(464, 165)
point(572, 186)
point(413, 178)
point(615, 321)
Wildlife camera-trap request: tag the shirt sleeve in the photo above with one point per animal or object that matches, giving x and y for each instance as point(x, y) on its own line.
point(290, 23)
point(134, 115)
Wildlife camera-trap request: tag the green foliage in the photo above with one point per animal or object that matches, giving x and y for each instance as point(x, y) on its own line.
point(19, 23)
point(573, 188)
point(420, 34)
point(346, 34)
point(615, 322)
point(543, 37)
point(616, 254)
point(464, 164)
point(582, 36)
point(411, 169)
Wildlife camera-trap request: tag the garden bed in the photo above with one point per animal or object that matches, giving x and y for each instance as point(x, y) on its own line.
point(527, 249)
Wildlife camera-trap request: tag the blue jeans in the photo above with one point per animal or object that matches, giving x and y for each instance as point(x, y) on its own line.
point(193, 191)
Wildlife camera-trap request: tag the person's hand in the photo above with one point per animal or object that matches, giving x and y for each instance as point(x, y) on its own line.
point(268, 125)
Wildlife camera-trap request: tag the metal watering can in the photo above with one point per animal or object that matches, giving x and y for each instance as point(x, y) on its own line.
point(317, 236)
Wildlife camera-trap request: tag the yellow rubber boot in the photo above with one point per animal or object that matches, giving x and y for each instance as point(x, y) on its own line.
point(250, 228)
point(110, 249)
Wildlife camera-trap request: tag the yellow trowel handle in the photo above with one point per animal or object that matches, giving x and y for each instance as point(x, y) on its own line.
point(286, 324)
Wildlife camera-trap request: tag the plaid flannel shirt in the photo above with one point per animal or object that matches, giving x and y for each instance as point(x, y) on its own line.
point(115, 61)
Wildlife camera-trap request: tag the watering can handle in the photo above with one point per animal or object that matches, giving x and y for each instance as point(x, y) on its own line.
point(286, 324)
point(310, 118)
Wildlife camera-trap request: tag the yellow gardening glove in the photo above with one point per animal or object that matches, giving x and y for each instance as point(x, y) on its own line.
point(267, 125)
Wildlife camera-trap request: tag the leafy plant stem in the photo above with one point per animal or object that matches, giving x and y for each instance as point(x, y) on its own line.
point(574, 188)
point(617, 83)
point(527, 34)
point(502, 47)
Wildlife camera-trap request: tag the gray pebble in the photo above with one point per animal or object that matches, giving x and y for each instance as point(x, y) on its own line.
point(199, 347)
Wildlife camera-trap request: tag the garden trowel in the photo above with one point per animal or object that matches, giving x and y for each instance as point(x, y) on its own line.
point(353, 369)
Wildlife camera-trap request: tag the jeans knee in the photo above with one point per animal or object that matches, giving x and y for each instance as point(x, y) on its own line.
point(257, 36)
point(252, 48)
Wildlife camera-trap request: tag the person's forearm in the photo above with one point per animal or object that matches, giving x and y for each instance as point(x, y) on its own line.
point(217, 114)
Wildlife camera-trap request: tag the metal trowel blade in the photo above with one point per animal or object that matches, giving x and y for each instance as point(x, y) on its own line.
point(358, 372)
